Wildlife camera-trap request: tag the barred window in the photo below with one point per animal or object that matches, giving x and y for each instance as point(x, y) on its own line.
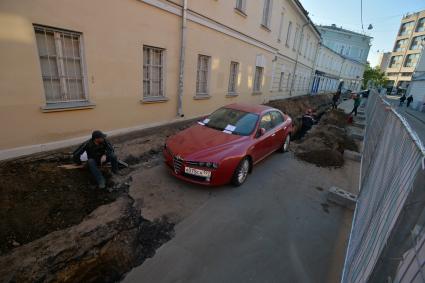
point(258, 79)
point(233, 77)
point(267, 10)
point(282, 77)
point(202, 75)
point(61, 61)
point(241, 5)
point(153, 72)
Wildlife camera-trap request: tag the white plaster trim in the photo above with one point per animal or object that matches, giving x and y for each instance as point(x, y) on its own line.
point(38, 148)
point(199, 19)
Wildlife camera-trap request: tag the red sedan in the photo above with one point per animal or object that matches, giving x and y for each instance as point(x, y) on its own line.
point(224, 147)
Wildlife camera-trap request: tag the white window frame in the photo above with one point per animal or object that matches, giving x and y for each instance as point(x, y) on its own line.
point(282, 19)
point(289, 34)
point(149, 96)
point(60, 62)
point(207, 76)
point(240, 5)
point(233, 78)
point(281, 80)
point(267, 13)
point(258, 79)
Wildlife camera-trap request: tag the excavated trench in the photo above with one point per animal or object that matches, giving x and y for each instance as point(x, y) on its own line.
point(55, 225)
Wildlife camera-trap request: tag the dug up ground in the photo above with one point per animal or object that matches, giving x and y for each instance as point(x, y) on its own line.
point(55, 225)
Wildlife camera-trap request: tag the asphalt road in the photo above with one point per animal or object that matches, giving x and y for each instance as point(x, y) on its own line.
point(277, 227)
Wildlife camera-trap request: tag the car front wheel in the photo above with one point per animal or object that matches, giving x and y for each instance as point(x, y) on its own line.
point(241, 172)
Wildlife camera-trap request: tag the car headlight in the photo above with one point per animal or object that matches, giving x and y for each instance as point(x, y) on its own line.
point(212, 165)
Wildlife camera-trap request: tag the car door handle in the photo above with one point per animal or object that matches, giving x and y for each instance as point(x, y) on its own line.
point(273, 134)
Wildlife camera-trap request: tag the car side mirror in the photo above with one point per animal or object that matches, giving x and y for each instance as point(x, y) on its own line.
point(261, 132)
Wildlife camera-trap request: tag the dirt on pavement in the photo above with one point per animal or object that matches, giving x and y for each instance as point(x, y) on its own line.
point(37, 197)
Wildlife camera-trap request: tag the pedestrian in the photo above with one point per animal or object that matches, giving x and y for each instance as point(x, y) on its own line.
point(99, 152)
point(357, 100)
point(307, 122)
point(402, 99)
point(409, 100)
point(335, 99)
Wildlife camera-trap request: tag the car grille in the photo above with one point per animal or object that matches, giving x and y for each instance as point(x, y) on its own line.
point(178, 163)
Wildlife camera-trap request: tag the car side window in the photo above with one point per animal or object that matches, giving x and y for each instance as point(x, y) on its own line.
point(266, 122)
point(277, 118)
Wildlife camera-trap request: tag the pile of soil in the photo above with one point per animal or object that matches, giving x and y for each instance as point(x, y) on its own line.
point(324, 145)
point(297, 106)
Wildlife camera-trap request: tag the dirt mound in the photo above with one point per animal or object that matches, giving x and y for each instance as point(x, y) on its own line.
point(324, 145)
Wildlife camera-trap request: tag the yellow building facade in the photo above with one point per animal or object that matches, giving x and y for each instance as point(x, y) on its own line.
point(69, 67)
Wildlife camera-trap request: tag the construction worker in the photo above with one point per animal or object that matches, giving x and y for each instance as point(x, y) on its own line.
point(409, 100)
point(357, 99)
point(99, 151)
point(307, 122)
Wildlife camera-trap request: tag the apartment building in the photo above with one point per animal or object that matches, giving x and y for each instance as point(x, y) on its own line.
point(384, 60)
point(71, 67)
point(407, 49)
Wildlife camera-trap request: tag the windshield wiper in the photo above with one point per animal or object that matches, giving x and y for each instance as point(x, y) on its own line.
point(214, 127)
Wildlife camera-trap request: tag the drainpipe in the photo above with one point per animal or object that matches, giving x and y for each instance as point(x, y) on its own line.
point(182, 56)
point(296, 59)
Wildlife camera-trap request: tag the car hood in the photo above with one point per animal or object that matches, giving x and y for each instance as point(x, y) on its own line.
point(200, 143)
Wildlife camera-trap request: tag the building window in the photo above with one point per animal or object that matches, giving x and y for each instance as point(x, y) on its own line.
point(279, 35)
point(61, 62)
point(153, 72)
point(288, 36)
point(400, 45)
point(267, 12)
point(421, 25)
point(258, 79)
point(297, 31)
point(395, 61)
point(417, 42)
point(288, 82)
point(411, 60)
point(233, 77)
point(202, 75)
point(281, 79)
point(241, 5)
point(406, 28)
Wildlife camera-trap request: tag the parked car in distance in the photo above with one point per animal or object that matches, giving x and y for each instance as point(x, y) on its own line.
point(223, 147)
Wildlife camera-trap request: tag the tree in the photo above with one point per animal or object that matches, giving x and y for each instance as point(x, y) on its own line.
point(375, 76)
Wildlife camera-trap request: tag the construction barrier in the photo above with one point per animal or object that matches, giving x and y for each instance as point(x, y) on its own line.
point(392, 158)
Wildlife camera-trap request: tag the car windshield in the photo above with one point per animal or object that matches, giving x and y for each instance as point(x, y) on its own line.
point(232, 121)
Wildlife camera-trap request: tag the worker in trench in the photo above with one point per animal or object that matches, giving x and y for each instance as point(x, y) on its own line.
point(307, 121)
point(99, 152)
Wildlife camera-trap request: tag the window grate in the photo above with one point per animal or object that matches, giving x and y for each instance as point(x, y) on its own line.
point(202, 75)
point(61, 64)
point(153, 72)
point(258, 79)
point(233, 77)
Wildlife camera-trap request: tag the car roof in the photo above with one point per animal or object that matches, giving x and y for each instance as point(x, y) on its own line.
point(252, 108)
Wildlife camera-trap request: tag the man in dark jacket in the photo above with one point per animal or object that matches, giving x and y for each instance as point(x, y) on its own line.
point(99, 151)
point(307, 122)
point(409, 100)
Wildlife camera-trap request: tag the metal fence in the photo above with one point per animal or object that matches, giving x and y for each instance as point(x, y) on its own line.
point(392, 158)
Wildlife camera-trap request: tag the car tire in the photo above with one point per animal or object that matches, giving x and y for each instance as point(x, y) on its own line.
point(241, 172)
point(286, 143)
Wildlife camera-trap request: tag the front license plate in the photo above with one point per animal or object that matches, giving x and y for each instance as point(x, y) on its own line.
point(197, 172)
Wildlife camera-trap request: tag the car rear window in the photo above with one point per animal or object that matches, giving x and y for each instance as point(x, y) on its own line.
point(232, 121)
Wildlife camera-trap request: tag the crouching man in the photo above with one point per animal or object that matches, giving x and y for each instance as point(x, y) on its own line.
point(99, 151)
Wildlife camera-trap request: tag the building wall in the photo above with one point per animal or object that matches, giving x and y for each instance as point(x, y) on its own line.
point(400, 74)
point(113, 36)
point(350, 44)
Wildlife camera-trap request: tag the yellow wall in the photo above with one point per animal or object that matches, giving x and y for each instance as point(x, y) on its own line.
point(114, 33)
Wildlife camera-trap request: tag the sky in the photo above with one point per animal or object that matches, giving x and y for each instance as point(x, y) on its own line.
point(384, 15)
